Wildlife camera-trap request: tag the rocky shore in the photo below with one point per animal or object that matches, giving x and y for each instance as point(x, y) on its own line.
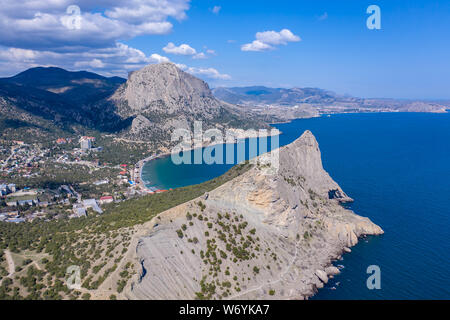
point(263, 235)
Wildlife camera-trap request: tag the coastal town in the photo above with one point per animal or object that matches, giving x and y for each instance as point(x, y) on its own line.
point(27, 194)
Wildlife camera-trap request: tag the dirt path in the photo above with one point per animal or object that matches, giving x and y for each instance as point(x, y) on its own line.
point(36, 265)
point(10, 262)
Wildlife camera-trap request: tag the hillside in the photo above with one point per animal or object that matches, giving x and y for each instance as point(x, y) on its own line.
point(53, 101)
point(78, 87)
point(147, 107)
point(264, 234)
point(160, 98)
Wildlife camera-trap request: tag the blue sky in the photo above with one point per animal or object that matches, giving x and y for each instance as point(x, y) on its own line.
point(407, 58)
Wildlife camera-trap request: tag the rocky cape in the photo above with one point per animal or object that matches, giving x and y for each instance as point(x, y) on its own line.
point(265, 234)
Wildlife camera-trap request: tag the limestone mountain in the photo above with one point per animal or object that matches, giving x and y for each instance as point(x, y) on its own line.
point(161, 97)
point(148, 106)
point(265, 234)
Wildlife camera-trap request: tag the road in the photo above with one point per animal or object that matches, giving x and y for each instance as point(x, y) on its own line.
point(10, 262)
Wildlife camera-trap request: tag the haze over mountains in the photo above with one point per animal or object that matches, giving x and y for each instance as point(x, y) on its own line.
point(158, 99)
point(320, 99)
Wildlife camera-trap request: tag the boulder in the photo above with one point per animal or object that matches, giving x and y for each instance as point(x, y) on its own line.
point(322, 275)
point(332, 271)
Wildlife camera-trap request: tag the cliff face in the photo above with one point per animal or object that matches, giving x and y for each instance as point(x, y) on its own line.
point(165, 83)
point(160, 98)
point(265, 234)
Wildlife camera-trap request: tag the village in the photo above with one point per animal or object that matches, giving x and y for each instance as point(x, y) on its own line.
point(26, 195)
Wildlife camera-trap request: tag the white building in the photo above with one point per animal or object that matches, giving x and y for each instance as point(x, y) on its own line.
point(86, 144)
point(92, 203)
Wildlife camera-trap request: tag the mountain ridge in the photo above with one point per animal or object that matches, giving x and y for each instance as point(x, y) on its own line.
point(263, 235)
point(137, 109)
point(322, 100)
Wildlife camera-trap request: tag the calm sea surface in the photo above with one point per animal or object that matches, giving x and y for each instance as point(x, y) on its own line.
point(397, 168)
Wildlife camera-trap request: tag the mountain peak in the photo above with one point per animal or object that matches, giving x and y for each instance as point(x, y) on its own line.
point(166, 83)
point(45, 77)
point(307, 138)
point(303, 158)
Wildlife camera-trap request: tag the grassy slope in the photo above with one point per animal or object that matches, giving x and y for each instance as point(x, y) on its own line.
point(91, 243)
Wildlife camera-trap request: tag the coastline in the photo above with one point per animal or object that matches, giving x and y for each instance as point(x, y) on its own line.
point(344, 228)
point(141, 163)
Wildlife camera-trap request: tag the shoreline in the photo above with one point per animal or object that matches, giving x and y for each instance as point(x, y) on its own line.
point(141, 163)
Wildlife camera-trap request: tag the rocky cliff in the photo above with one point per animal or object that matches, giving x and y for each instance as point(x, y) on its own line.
point(147, 107)
point(265, 234)
point(161, 97)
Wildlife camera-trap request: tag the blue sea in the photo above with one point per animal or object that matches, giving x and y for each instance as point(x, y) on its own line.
point(397, 168)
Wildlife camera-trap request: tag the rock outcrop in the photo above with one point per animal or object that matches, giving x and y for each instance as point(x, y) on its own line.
point(265, 234)
point(165, 84)
point(160, 98)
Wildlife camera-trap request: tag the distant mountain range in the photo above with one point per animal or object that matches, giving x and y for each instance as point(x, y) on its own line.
point(258, 95)
point(42, 102)
point(322, 100)
point(147, 107)
point(51, 97)
point(78, 87)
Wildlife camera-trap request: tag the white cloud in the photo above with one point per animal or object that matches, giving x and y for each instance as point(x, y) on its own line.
point(156, 58)
point(256, 46)
point(200, 55)
point(183, 49)
point(17, 54)
point(275, 38)
point(216, 9)
point(140, 11)
point(324, 16)
point(94, 63)
point(267, 40)
point(210, 73)
point(40, 33)
point(31, 24)
point(107, 61)
point(117, 60)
